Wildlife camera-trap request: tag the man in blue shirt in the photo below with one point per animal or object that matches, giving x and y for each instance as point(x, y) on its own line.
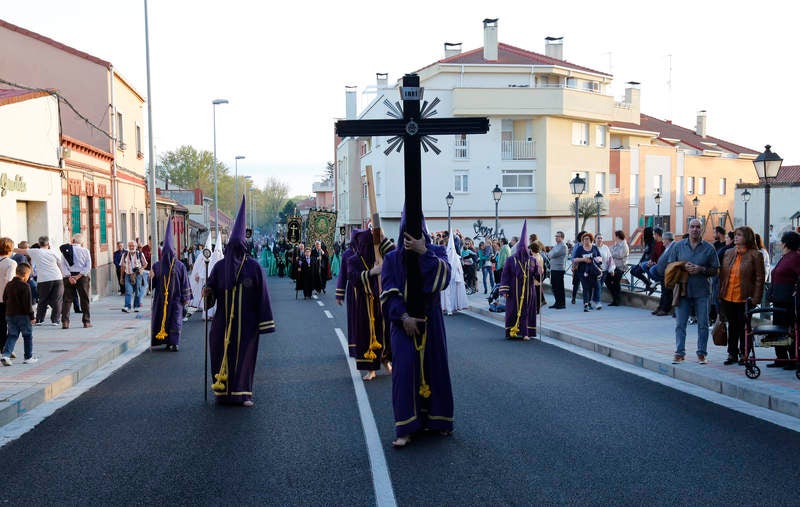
point(701, 264)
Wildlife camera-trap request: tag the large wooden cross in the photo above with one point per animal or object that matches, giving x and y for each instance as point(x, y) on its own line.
point(408, 130)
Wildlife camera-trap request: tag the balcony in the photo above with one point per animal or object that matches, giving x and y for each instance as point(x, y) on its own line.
point(518, 150)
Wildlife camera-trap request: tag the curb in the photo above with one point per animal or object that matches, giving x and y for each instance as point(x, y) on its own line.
point(768, 397)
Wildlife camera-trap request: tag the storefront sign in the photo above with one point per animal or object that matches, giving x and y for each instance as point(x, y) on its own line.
point(17, 184)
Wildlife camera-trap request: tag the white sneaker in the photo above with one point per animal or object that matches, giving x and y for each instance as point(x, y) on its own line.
point(598, 306)
point(31, 360)
point(125, 309)
point(136, 310)
point(6, 361)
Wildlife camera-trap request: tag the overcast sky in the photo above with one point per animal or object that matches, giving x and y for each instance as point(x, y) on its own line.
point(284, 65)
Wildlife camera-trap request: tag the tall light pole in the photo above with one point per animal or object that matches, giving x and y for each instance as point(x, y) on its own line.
point(657, 198)
point(577, 185)
point(598, 200)
point(745, 199)
point(248, 191)
point(696, 203)
point(236, 201)
point(496, 195)
point(152, 154)
point(767, 165)
point(215, 103)
point(449, 200)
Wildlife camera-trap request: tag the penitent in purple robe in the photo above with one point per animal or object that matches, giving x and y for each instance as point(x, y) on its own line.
point(517, 284)
point(171, 278)
point(344, 292)
point(238, 286)
point(368, 326)
point(413, 369)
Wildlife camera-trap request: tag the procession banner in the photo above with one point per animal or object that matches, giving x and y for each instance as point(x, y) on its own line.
point(321, 226)
point(294, 229)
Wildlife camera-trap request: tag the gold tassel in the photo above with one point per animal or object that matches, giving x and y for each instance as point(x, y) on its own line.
point(374, 344)
point(163, 334)
point(424, 388)
point(222, 376)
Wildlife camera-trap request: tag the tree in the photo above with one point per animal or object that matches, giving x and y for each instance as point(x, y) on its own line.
point(328, 172)
point(189, 168)
point(271, 201)
point(587, 209)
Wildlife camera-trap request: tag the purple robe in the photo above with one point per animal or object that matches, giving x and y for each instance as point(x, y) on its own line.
point(414, 411)
point(364, 314)
point(180, 294)
point(239, 287)
point(521, 299)
point(344, 292)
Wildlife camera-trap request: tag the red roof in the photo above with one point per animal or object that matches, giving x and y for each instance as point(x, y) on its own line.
point(12, 96)
point(667, 130)
point(788, 174)
point(55, 44)
point(510, 55)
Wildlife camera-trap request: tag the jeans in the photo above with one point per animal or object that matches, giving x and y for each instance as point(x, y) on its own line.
point(598, 288)
point(700, 307)
point(135, 289)
point(487, 273)
point(19, 324)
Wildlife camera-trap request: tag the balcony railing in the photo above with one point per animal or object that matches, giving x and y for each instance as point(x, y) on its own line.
point(461, 148)
point(518, 150)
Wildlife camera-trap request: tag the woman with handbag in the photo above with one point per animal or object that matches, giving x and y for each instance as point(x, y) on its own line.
point(785, 276)
point(741, 276)
point(586, 264)
point(619, 256)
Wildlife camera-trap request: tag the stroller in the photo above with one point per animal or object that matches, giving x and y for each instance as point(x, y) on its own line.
point(496, 301)
point(766, 335)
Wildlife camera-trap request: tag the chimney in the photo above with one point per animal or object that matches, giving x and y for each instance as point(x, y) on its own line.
point(632, 93)
point(452, 49)
point(350, 102)
point(554, 47)
point(700, 129)
point(490, 39)
point(383, 79)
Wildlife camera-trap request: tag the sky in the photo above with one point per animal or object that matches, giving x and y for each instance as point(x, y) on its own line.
point(284, 65)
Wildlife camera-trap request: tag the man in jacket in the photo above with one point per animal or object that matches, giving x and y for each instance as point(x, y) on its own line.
point(558, 258)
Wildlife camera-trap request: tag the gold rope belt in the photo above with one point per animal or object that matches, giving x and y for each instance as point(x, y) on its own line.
point(514, 331)
point(163, 333)
point(222, 376)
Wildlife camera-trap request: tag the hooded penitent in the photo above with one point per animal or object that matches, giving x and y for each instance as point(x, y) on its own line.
point(238, 286)
point(517, 284)
point(171, 291)
point(454, 297)
point(421, 392)
point(198, 277)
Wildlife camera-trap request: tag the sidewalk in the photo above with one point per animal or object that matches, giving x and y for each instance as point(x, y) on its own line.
point(67, 356)
point(632, 335)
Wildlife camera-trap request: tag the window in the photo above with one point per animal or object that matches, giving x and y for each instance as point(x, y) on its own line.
point(634, 199)
point(378, 183)
point(657, 182)
point(123, 227)
point(139, 152)
point(461, 182)
point(120, 137)
point(580, 134)
point(142, 232)
point(462, 149)
point(701, 185)
point(679, 193)
point(600, 134)
point(723, 186)
point(75, 213)
point(600, 183)
point(517, 180)
point(103, 221)
point(690, 185)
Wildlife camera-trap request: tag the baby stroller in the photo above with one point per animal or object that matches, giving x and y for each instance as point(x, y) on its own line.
point(496, 302)
point(766, 335)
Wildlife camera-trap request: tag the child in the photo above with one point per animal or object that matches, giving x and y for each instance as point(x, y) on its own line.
point(19, 315)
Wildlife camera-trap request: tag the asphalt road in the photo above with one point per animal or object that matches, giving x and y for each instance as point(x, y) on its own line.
point(535, 425)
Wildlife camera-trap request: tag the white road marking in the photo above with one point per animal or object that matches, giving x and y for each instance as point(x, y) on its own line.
point(381, 482)
point(328, 314)
point(765, 414)
point(321, 303)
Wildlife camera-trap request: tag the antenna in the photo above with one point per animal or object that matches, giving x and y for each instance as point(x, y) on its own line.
point(669, 86)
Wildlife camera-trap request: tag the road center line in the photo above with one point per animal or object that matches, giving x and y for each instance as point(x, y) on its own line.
point(381, 482)
point(328, 314)
point(320, 303)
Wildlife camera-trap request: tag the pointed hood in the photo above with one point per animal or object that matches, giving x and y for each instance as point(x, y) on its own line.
point(168, 253)
point(456, 270)
point(521, 248)
point(236, 250)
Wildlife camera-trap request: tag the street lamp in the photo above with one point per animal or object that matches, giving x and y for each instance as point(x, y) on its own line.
point(215, 103)
point(449, 200)
point(496, 195)
point(657, 198)
point(696, 203)
point(598, 200)
point(236, 201)
point(767, 165)
point(745, 199)
point(577, 185)
point(248, 191)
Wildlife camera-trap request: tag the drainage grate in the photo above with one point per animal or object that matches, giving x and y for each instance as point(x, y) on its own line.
point(58, 351)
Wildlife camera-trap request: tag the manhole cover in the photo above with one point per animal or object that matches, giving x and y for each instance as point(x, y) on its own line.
point(59, 350)
point(129, 327)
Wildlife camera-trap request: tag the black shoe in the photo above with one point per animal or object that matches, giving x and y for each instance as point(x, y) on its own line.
point(614, 303)
point(731, 360)
point(585, 308)
point(173, 348)
point(775, 365)
point(789, 366)
point(573, 301)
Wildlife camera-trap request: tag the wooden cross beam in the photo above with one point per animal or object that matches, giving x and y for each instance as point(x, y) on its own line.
point(410, 128)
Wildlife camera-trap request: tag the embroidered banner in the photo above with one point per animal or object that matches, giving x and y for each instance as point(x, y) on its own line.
point(294, 229)
point(321, 226)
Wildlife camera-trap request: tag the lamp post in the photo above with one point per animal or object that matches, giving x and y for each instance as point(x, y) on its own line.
point(745, 199)
point(696, 203)
point(598, 200)
point(767, 165)
point(496, 195)
point(236, 201)
point(248, 191)
point(449, 200)
point(215, 103)
point(577, 185)
point(657, 198)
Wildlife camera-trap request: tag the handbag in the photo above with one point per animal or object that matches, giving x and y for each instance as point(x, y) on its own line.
point(720, 333)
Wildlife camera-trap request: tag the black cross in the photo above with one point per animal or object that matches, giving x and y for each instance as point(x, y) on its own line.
point(410, 131)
